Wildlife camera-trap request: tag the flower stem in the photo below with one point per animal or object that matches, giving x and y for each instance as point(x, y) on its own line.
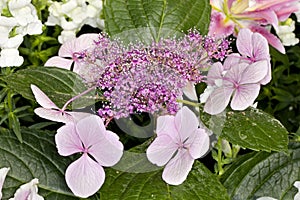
point(76, 97)
point(220, 165)
point(188, 102)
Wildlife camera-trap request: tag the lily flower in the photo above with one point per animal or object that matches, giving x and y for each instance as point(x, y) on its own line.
point(229, 16)
point(178, 143)
point(98, 146)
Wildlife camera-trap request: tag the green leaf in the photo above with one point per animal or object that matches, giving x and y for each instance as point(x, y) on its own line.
point(59, 84)
point(252, 129)
point(200, 184)
point(36, 157)
point(15, 125)
point(260, 174)
point(157, 17)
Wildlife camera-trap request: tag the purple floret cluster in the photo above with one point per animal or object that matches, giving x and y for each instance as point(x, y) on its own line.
point(138, 78)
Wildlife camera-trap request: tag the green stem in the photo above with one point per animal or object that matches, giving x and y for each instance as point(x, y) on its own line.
point(188, 102)
point(220, 165)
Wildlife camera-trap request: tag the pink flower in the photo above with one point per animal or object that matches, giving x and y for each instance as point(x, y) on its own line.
point(242, 82)
point(228, 16)
point(98, 146)
point(28, 191)
point(73, 51)
point(178, 143)
point(51, 112)
point(254, 47)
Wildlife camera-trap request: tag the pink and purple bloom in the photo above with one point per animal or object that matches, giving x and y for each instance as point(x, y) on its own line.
point(98, 146)
point(73, 51)
point(178, 143)
point(229, 16)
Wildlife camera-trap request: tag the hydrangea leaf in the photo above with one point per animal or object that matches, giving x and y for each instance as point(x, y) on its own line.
point(36, 157)
point(200, 184)
point(260, 174)
point(158, 17)
point(59, 84)
point(252, 128)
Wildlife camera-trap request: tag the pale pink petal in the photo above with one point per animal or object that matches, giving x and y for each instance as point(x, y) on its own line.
point(272, 39)
point(91, 130)
point(244, 42)
point(3, 173)
point(186, 122)
point(84, 176)
point(77, 68)
point(79, 115)
point(235, 73)
point(198, 143)
point(108, 151)
point(28, 191)
point(231, 61)
point(53, 115)
point(254, 72)
point(42, 98)
point(85, 41)
point(166, 125)
point(177, 170)
point(67, 140)
point(161, 150)
point(59, 62)
point(218, 100)
point(244, 96)
point(215, 73)
point(268, 77)
point(190, 91)
point(260, 47)
point(67, 49)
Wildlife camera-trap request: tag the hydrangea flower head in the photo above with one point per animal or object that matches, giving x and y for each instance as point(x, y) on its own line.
point(178, 143)
point(98, 146)
point(151, 77)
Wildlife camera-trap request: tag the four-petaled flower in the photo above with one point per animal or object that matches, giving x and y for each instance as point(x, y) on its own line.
point(99, 147)
point(73, 51)
point(178, 143)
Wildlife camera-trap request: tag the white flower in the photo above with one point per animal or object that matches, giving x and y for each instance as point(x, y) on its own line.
point(10, 57)
point(6, 25)
point(297, 185)
point(285, 33)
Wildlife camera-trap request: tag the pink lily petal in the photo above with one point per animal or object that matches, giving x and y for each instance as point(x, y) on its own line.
point(255, 72)
point(42, 98)
point(57, 61)
point(165, 125)
point(199, 143)
point(218, 100)
point(177, 170)
point(108, 151)
point(53, 115)
point(186, 123)
point(3, 173)
point(84, 176)
point(67, 140)
point(244, 96)
point(218, 27)
point(161, 150)
point(28, 191)
point(272, 39)
point(91, 130)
